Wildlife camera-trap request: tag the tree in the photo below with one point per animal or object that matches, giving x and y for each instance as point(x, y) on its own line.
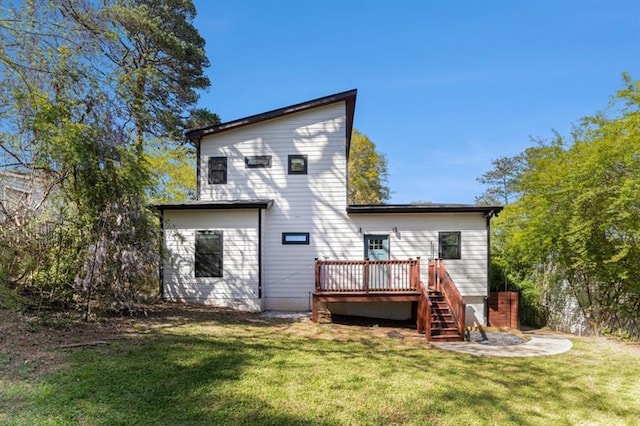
point(575, 228)
point(502, 181)
point(201, 117)
point(174, 165)
point(367, 172)
point(174, 172)
point(86, 87)
point(153, 52)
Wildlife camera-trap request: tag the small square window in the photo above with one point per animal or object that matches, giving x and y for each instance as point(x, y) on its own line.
point(217, 170)
point(376, 244)
point(450, 245)
point(295, 238)
point(297, 164)
point(257, 161)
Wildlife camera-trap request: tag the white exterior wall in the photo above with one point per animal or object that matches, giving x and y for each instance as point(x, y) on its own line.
point(417, 236)
point(317, 202)
point(238, 288)
point(314, 203)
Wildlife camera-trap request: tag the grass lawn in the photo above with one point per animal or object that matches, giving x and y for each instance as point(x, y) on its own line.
point(225, 368)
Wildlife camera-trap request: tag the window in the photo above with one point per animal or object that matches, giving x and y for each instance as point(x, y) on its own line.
point(449, 243)
point(297, 164)
point(295, 238)
point(217, 170)
point(257, 161)
point(208, 254)
point(376, 244)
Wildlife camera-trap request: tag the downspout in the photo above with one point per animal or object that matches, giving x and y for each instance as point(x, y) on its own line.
point(259, 253)
point(161, 260)
point(488, 217)
point(197, 142)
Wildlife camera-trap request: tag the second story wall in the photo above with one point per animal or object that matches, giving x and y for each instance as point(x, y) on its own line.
point(317, 136)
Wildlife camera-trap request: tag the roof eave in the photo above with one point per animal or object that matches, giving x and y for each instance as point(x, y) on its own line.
point(216, 205)
point(409, 208)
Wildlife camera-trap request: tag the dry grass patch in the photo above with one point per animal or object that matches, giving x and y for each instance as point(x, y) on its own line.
point(203, 366)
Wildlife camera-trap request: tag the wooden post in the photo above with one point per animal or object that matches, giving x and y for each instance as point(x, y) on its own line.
point(431, 275)
point(420, 323)
point(366, 275)
point(314, 308)
point(317, 272)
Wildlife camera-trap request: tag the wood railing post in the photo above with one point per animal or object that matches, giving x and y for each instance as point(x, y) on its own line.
point(420, 323)
point(366, 275)
point(427, 323)
point(317, 274)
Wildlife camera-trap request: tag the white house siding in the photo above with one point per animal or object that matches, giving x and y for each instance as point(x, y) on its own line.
point(21, 193)
point(238, 288)
point(314, 203)
point(317, 202)
point(417, 236)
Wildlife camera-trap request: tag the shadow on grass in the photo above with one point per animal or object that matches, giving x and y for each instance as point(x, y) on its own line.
point(162, 380)
point(251, 373)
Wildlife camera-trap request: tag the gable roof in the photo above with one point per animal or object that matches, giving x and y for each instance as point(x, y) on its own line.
point(349, 97)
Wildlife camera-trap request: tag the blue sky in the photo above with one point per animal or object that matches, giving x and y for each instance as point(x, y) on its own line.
point(444, 87)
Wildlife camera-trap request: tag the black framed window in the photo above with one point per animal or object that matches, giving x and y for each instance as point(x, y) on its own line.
point(257, 161)
point(450, 244)
point(208, 254)
point(297, 164)
point(295, 238)
point(217, 170)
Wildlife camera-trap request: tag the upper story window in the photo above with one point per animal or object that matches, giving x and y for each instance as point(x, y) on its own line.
point(297, 164)
point(257, 161)
point(217, 170)
point(450, 245)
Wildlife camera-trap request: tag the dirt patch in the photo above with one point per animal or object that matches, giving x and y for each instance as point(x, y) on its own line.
point(367, 331)
point(33, 345)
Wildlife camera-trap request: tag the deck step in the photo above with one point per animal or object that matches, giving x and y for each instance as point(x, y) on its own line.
point(445, 338)
point(443, 325)
point(444, 330)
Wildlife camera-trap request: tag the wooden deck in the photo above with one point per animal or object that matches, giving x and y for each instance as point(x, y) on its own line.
point(440, 308)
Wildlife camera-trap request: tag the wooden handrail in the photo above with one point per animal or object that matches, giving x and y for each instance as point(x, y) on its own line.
point(367, 275)
point(452, 295)
point(424, 312)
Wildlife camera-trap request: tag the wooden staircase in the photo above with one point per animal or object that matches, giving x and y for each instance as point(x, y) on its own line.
point(443, 323)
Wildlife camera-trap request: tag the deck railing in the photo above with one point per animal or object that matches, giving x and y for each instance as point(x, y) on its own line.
point(368, 276)
point(440, 280)
point(424, 312)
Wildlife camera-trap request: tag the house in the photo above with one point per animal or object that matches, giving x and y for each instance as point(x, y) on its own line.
point(21, 194)
point(271, 228)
